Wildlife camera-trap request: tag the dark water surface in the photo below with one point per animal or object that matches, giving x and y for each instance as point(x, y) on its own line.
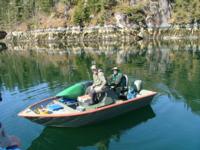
point(28, 75)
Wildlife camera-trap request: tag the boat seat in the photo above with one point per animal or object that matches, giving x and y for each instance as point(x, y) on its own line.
point(123, 89)
point(105, 98)
point(124, 84)
point(108, 97)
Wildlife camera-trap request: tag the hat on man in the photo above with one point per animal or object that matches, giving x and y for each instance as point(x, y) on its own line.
point(93, 67)
point(115, 68)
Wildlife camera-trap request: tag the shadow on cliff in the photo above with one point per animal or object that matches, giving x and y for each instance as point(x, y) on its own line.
point(2, 46)
point(2, 35)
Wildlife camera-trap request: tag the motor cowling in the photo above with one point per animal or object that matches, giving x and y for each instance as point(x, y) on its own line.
point(138, 85)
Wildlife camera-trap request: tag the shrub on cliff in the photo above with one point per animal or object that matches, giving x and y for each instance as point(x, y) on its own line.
point(134, 14)
point(84, 9)
point(81, 14)
point(186, 11)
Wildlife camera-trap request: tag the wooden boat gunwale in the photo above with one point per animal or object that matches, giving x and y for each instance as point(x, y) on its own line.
point(23, 114)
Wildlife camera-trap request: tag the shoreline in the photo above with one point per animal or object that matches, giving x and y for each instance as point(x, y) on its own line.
point(103, 33)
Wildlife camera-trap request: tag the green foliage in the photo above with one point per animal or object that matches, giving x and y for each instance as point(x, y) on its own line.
point(95, 6)
point(69, 2)
point(186, 11)
point(81, 14)
point(14, 12)
point(108, 4)
point(134, 14)
point(45, 5)
point(83, 10)
point(102, 18)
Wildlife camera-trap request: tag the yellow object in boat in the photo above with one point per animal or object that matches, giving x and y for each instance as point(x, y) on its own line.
point(42, 111)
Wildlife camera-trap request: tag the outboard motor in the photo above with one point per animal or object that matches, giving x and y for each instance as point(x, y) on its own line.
point(134, 89)
point(138, 85)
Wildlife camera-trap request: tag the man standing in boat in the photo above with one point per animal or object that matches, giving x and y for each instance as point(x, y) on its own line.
point(99, 83)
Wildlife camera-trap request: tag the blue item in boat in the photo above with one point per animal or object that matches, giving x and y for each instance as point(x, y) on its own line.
point(54, 107)
point(69, 101)
point(131, 93)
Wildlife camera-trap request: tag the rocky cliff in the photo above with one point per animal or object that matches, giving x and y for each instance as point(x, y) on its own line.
point(102, 20)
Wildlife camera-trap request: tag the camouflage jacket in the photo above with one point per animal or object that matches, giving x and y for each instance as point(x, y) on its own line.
point(116, 78)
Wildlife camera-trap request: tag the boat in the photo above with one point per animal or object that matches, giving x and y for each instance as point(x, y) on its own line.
point(64, 110)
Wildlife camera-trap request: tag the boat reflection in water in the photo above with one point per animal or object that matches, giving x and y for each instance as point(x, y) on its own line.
point(98, 135)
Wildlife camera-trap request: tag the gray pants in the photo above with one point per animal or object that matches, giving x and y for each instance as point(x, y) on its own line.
point(94, 91)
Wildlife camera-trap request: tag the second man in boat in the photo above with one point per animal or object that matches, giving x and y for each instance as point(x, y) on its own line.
point(99, 83)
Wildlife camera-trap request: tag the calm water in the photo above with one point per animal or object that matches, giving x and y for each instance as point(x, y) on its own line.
point(31, 73)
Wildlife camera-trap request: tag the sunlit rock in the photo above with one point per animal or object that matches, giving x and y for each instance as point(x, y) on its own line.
point(120, 19)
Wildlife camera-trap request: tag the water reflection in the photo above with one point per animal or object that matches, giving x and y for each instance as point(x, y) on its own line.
point(175, 64)
point(0, 97)
point(31, 72)
point(27, 69)
point(99, 135)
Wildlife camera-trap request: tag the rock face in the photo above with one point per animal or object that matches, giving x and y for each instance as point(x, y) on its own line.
point(166, 9)
point(2, 34)
point(159, 13)
point(94, 33)
point(105, 33)
point(120, 19)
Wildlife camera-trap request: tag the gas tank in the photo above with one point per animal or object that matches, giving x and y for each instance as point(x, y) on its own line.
point(75, 90)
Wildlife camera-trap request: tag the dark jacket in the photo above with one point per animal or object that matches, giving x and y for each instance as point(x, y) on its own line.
point(116, 79)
